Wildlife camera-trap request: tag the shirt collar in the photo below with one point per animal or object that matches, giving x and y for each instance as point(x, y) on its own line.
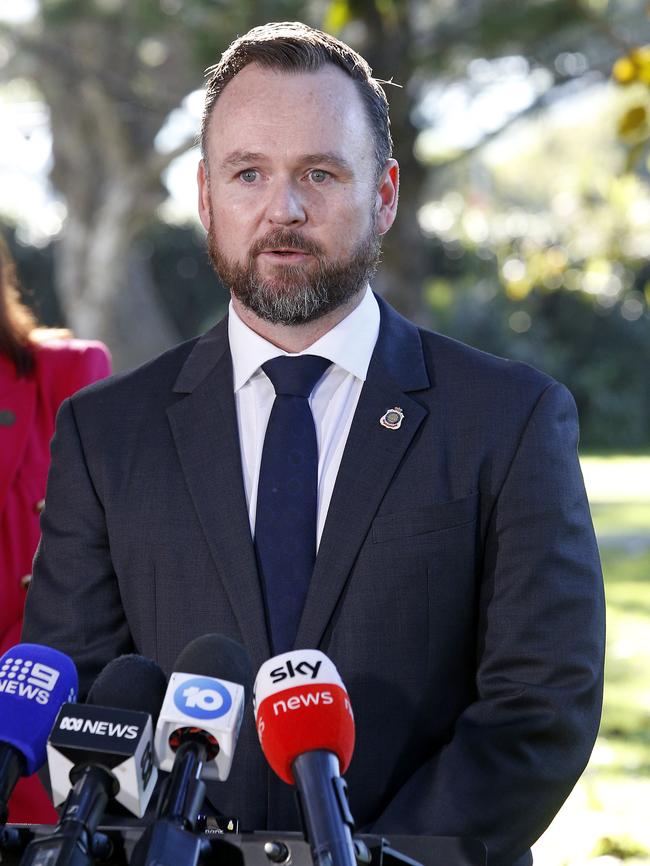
point(349, 344)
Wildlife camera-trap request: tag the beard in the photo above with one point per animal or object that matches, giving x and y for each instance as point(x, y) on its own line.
point(295, 294)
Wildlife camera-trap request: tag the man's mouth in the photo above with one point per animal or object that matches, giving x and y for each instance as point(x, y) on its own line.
point(286, 253)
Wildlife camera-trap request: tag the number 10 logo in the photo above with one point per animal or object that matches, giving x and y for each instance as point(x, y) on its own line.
point(203, 698)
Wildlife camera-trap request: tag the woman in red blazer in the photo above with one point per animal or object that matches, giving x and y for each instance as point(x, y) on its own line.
point(39, 368)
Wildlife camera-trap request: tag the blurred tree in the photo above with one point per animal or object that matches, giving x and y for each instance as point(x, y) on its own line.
point(111, 72)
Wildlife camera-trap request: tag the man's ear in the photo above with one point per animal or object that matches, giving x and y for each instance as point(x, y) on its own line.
point(387, 195)
point(203, 182)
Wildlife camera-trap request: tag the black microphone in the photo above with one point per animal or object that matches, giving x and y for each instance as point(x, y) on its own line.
point(97, 753)
point(195, 738)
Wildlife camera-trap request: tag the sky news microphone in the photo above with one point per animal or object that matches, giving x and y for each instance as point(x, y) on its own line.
point(195, 740)
point(306, 729)
point(34, 681)
point(99, 751)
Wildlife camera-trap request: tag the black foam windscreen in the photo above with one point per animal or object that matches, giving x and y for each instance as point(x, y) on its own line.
point(130, 682)
point(214, 655)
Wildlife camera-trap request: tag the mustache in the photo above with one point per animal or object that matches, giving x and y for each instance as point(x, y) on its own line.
point(285, 239)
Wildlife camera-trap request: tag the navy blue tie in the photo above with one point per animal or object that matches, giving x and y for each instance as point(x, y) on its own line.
point(285, 522)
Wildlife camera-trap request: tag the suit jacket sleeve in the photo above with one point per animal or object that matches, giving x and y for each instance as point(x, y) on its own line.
point(517, 751)
point(73, 603)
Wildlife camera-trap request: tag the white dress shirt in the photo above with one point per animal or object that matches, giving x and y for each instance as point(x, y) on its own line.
point(349, 346)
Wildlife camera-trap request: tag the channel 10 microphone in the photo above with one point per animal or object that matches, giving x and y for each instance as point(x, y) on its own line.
point(195, 740)
point(99, 751)
point(34, 681)
point(306, 729)
point(205, 703)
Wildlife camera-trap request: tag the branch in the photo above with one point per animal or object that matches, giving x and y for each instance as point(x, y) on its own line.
point(542, 101)
point(158, 162)
point(66, 61)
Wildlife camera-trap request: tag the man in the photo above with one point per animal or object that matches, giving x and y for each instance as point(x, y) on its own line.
point(456, 587)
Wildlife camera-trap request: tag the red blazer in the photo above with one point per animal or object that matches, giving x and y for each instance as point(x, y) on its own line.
point(28, 407)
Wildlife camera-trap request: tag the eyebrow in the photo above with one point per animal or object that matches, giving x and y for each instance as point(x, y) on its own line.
point(328, 158)
point(241, 157)
point(248, 157)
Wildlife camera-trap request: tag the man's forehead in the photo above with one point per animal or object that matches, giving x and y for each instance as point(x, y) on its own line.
point(327, 79)
point(261, 107)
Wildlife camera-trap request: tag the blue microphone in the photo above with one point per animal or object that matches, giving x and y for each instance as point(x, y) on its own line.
point(35, 681)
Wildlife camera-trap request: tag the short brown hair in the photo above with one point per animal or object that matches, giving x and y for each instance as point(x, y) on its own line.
point(294, 47)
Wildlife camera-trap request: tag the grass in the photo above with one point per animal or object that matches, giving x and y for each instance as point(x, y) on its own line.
point(608, 813)
point(626, 518)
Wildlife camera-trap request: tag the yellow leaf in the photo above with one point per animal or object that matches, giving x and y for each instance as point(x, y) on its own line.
point(633, 121)
point(337, 16)
point(640, 56)
point(644, 73)
point(624, 71)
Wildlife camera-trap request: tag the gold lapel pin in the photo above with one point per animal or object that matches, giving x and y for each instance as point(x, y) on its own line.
point(392, 419)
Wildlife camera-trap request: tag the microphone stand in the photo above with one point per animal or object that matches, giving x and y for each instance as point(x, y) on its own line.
point(172, 838)
point(74, 841)
point(12, 767)
point(324, 808)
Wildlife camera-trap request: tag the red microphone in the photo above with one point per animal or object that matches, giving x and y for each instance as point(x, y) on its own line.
point(306, 729)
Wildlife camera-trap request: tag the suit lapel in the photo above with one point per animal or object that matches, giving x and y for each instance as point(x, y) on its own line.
point(370, 460)
point(204, 427)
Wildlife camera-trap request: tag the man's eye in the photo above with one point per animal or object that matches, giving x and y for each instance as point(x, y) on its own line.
point(318, 175)
point(249, 175)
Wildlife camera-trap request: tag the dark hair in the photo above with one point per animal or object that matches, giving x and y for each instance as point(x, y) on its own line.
point(294, 47)
point(16, 320)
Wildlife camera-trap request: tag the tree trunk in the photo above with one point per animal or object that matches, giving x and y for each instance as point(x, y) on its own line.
point(406, 258)
point(107, 168)
point(105, 286)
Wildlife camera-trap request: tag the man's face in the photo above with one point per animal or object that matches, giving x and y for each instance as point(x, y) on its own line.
point(292, 204)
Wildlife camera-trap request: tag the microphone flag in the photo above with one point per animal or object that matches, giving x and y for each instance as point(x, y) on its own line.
point(120, 740)
point(207, 704)
point(301, 705)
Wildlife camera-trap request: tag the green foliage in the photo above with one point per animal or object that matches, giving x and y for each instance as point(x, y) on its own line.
point(609, 812)
point(498, 24)
point(620, 847)
point(620, 517)
point(184, 277)
point(602, 357)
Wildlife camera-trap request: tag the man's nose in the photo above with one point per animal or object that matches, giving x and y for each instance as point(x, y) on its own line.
point(285, 206)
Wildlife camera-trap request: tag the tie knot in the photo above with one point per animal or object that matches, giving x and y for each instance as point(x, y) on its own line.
point(295, 376)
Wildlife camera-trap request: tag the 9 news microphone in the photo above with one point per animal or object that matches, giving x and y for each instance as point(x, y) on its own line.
point(306, 729)
point(99, 751)
point(34, 681)
point(195, 739)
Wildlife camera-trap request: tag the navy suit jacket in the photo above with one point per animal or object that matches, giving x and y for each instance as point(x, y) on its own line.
point(457, 586)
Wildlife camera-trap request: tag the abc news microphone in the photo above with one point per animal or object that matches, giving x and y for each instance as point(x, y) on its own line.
point(195, 739)
point(306, 729)
point(34, 681)
point(100, 751)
